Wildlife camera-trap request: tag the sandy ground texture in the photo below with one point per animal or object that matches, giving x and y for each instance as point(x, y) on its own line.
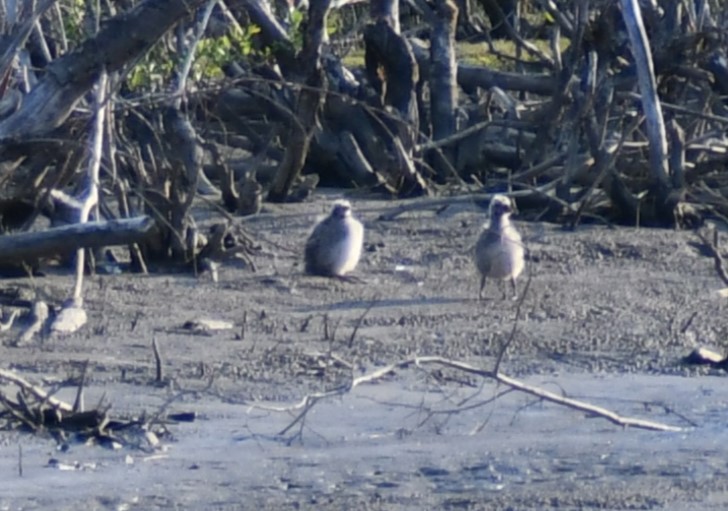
point(608, 316)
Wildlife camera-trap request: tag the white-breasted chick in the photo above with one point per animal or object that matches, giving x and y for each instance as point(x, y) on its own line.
point(334, 247)
point(499, 253)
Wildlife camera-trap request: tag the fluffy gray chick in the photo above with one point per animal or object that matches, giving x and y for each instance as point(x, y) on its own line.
point(499, 251)
point(334, 247)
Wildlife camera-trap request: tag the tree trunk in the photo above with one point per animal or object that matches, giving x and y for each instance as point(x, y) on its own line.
point(308, 103)
point(386, 10)
point(185, 156)
point(443, 83)
point(656, 132)
point(60, 240)
point(393, 72)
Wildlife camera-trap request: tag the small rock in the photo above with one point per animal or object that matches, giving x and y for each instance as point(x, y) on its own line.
point(207, 325)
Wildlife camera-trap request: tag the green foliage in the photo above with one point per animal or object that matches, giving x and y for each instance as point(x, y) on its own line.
point(213, 54)
point(335, 23)
point(354, 59)
point(152, 70)
point(295, 28)
point(73, 14)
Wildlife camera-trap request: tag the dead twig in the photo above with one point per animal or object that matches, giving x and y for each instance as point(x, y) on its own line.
point(512, 335)
point(8, 324)
point(159, 369)
point(361, 319)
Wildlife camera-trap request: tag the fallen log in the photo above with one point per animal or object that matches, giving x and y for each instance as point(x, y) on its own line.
point(59, 240)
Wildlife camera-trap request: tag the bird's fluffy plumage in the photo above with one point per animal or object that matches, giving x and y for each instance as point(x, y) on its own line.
point(499, 252)
point(334, 247)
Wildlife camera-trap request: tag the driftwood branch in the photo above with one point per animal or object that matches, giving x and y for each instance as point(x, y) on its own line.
point(184, 71)
point(514, 329)
point(308, 401)
point(471, 77)
point(273, 33)
point(58, 240)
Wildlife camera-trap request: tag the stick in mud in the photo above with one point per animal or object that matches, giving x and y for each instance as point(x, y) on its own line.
point(159, 375)
point(78, 405)
point(372, 303)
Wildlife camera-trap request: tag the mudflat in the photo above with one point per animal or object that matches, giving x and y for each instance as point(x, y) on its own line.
point(607, 318)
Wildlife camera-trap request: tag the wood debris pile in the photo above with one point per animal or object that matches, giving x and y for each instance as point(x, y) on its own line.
point(613, 110)
point(27, 407)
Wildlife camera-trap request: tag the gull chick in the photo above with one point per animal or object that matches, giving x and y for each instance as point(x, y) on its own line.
point(499, 251)
point(334, 247)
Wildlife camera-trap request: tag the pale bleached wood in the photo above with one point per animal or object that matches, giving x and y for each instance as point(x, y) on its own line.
point(656, 132)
